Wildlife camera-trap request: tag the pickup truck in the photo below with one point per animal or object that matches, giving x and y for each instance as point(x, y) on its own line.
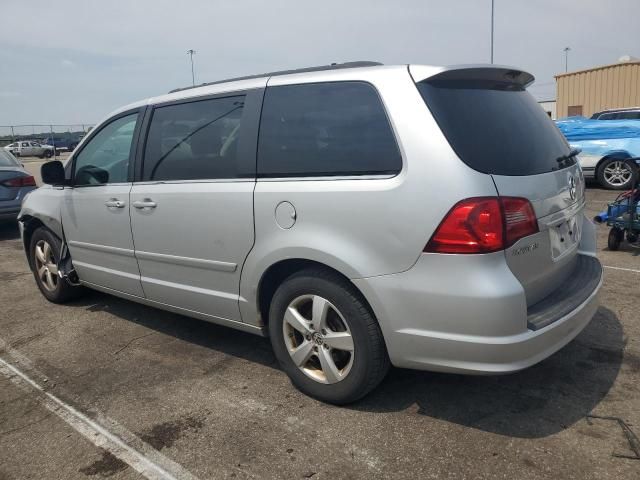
point(29, 148)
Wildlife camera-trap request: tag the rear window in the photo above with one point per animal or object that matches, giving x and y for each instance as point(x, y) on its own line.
point(7, 160)
point(196, 140)
point(325, 129)
point(496, 127)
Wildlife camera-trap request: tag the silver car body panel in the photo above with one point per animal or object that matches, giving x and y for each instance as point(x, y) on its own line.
point(201, 271)
point(211, 243)
point(99, 237)
point(542, 261)
point(44, 204)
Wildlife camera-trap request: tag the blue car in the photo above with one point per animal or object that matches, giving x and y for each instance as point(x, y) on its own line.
point(61, 143)
point(15, 183)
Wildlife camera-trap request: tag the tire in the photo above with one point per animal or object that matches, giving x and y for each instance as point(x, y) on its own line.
point(615, 238)
point(48, 153)
point(347, 322)
point(16, 154)
point(616, 174)
point(54, 288)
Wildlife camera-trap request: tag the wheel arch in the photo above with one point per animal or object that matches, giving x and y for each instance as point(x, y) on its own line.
point(29, 225)
point(279, 271)
point(614, 154)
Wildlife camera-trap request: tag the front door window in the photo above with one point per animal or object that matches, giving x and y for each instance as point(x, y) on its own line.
point(105, 159)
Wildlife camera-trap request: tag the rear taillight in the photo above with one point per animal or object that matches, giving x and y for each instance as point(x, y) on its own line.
point(28, 181)
point(519, 219)
point(483, 225)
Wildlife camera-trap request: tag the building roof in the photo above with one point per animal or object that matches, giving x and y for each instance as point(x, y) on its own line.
point(601, 67)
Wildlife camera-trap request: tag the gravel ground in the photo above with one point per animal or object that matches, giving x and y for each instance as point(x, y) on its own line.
point(212, 402)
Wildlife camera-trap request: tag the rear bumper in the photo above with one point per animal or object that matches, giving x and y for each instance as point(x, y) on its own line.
point(473, 321)
point(9, 209)
point(9, 215)
point(9, 212)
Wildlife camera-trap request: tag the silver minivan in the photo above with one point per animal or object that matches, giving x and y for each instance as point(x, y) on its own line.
point(360, 215)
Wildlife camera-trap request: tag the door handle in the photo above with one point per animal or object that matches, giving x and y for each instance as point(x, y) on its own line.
point(114, 203)
point(146, 203)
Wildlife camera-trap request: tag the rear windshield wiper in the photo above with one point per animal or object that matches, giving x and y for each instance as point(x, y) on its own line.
point(563, 158)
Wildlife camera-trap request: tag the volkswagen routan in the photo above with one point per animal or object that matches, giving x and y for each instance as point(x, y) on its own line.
point(359, 215)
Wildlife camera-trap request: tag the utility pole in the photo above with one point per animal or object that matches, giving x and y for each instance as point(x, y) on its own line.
point(566, 59)
point(492, 9)
point(192, 52)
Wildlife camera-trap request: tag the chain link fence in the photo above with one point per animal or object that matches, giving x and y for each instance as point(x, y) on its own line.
point(59, 136)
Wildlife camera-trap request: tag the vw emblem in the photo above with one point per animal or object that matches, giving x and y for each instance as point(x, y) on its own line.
point(317, 338)
point(572, 187)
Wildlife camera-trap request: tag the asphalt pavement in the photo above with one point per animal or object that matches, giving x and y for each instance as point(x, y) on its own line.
point(103, 387)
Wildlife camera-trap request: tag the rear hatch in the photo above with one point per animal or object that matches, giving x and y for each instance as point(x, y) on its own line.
point(496, 127)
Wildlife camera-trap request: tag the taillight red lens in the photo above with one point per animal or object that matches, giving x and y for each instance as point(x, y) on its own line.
point(519, 218)
point(483, 225)
point(473, 225)
point(28, 181)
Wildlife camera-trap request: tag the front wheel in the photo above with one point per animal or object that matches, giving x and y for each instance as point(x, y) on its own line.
point(326, 338)
point(45, 256)
point(48, 153)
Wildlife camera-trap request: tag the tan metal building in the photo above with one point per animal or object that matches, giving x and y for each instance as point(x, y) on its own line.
point(585, 92)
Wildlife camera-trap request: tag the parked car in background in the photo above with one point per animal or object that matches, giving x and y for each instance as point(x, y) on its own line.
point(62, 143)
point(360, 215)
point(608, 149)
point(28, 148)
point(618, 114)
point(15, 183)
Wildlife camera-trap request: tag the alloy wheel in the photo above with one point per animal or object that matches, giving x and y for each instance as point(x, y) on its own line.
point(318, 339)
point(46, 267)
point(617, 173)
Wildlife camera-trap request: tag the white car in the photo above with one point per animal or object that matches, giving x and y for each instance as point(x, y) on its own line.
point(27, 148)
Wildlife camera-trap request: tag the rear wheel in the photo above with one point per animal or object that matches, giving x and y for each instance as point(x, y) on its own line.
point(616, 174)
point(48, 153)
point(45, 256)
point(615, 238)
point(325, 337)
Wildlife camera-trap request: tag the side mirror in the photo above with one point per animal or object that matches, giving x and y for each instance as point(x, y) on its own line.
point(53, 173)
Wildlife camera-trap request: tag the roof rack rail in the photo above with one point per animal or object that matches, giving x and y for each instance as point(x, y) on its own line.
point(333, 66)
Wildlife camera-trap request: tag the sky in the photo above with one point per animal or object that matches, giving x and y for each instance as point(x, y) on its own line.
point(74, 61)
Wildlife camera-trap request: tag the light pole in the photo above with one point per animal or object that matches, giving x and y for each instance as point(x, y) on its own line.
point(191, 52)
point(492, 2)
point(566, 59)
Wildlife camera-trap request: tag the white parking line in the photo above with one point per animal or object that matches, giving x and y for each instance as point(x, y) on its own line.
point(101, 431)
point(623, 269)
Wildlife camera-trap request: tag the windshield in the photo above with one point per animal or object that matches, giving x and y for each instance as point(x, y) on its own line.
point(496, 127)
point(7, 160)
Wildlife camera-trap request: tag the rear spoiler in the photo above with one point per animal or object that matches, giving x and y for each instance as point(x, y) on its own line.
point(464, 73)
